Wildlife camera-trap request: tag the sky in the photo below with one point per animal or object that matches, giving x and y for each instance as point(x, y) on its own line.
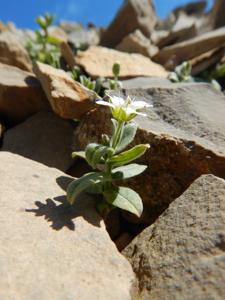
point(99, 12)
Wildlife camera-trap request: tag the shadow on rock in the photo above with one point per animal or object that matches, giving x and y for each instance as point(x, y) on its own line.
point(64, 214)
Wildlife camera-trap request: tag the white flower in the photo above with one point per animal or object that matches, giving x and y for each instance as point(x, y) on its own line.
point(124, 109)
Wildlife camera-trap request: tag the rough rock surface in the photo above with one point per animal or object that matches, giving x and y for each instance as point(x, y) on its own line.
point(186, 131)
point(21, 94)
point(186, 50)
point(136, 42)
point(217, 14)
point(13, 53)
point(45, 138)
point(182, 256)
point(68, 98)
point(98, 62)
point(49, 250)
point(134, 14)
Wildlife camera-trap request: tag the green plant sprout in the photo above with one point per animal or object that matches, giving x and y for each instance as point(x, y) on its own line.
point(115, 84)
point(182, 73)
point(44, 48)
point(111, 163)
point(98, 84)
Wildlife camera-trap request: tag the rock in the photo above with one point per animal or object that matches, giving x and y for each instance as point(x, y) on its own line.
point(55, 251)
point(180, 52)
point(39, 137)
point(21, 94)
point(134, 14)
point(174, 36)
point(68, 98)
point(186, 133)
point(144, 82)
point(136, 42)
point(131, 65)
point(217, 14)
point(181, 256)
point(192, 8)
point(13, 53)
point(78, 35)
point(206, 60)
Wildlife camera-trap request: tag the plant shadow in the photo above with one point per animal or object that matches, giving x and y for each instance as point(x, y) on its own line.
point(64, 214)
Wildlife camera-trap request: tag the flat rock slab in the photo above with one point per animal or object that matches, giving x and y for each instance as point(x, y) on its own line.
point(68, 98)
point(49, 250)
point(98, 62)
point(45, 138)
point(191, 48)
point(133, 14)
point(21, 94)
point(182, 256)
point(186, 131)
point(13, 53)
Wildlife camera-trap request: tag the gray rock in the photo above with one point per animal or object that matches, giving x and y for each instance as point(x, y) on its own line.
point(186, 131)
point(21, 94)
point(134, 14)
point(45, 138)
point(182, 256)
point(144, 82)
point(49, 250)
point(13, 53)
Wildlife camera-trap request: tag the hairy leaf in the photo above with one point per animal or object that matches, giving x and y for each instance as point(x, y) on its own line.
point(129, 133)
point(128, 171)
point(80, 154)
point(128, 156)
point(125, 198)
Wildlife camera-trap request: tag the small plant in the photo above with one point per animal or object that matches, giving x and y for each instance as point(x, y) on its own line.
point(115, 84)
point(98, 84)
point(182, 73)
point(111, 163)
point(44, 48)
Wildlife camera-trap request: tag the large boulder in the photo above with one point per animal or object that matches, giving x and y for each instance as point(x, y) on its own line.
point(134, 14)
point(13, 53)
point(45, 138)
point(49, 250)
point(68, 98)
point(98, 62)
point(21, 94)
point(186, 131)
point(181, 256)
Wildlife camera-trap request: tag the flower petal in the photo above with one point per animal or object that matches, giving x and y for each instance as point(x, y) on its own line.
point(117, 101)
point(105, 103)
point(140, 104)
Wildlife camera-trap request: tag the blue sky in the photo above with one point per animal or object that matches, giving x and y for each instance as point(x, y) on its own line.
point(100, 12)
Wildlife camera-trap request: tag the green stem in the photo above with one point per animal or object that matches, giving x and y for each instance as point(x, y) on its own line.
point(117, 135)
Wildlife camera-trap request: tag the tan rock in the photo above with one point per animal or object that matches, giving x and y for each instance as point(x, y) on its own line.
point(136, 42)
point(134, 14)
point(206, 60)
point(38, 138)
point(98, 62)
point(13, 53)
point(49, 250)
point(191, 48)
point(21, 94)
point(68, 98)
point(217, 14)
point(186, 131)
point(181, 256)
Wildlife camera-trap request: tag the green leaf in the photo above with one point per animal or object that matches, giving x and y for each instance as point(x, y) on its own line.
point(90, 150)
point(126, 199)
point(116, 70)
point(128, 171)
point(53, 40)
point(41, 22)
point(129, 132)
point(80, 154)
point(126, 157)
point(82, 184)
point(99, 155)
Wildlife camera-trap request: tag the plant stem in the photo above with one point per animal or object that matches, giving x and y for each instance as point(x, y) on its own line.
point(118, 134)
